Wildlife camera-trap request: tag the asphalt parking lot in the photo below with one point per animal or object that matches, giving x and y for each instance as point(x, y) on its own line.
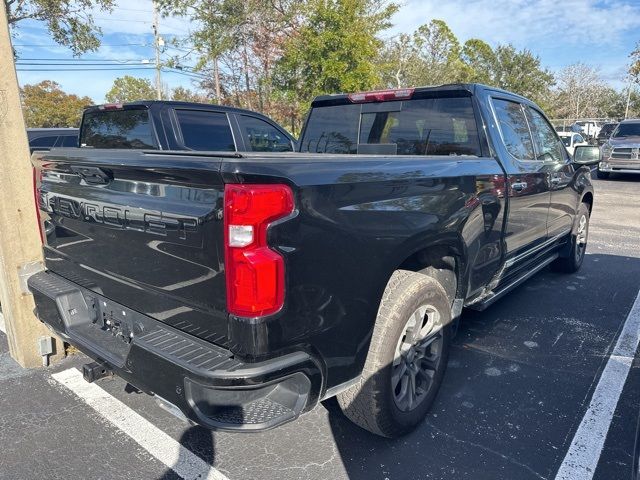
point(520, 379)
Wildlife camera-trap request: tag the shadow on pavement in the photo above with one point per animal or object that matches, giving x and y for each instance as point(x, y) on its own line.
point(199, 441)
point(519, 377)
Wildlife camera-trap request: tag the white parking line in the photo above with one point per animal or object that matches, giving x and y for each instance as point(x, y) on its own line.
point(3, 328)
point(581, 460)
point(162, 446)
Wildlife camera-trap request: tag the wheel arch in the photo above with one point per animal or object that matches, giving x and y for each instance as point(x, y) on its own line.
point(587, 198)
point(442, 261)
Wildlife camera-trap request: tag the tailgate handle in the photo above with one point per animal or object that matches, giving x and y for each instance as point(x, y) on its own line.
point(93, 175)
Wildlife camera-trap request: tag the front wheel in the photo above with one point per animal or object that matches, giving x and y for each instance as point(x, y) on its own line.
point(573, 261)
point(407, 357)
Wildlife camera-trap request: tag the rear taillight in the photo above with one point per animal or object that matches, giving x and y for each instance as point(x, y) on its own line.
point(37, 178)
point(381, 95)
point(254, 272)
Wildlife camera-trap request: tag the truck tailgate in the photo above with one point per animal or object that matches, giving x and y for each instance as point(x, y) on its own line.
point(141, 229)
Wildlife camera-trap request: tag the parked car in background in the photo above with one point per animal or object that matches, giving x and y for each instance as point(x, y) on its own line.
point(241, 288)
point(589, 129)
point(169, 125)
point(621, 152)
point(572, 140)
point(43, 139)
point(605, 132)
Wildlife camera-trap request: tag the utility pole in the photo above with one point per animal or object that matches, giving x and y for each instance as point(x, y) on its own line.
point(626, 111)
point(20, 247)
point(157, 42)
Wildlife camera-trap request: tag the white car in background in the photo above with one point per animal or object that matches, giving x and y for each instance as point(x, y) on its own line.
point(571, 140)
point(590, 129)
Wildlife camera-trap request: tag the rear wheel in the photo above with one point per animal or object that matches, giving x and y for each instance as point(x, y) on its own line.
point(407, 357)
point(573, 261)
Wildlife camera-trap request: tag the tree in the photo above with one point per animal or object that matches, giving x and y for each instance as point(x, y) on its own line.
point(335, 48)
point(182, 94)
point(130, 89)
point(430, 56)
point(45, 105)
point(521, 72)
point(479, 61)
point(634, 68)
point(580, 90)
point(69, 22)
point(439, 50)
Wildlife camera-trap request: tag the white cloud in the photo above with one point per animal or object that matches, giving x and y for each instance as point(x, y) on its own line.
point(527, 23)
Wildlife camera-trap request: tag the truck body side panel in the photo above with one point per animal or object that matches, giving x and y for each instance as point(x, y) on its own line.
point(359, 218)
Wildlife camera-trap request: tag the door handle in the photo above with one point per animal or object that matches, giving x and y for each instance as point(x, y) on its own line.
point(519, 186)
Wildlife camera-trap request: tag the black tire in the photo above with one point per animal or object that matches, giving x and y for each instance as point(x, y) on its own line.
point(572, 262)
point(374, 403)
point(602, 175)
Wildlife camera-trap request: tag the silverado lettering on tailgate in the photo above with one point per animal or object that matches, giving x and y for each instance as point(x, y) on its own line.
point(110, 215)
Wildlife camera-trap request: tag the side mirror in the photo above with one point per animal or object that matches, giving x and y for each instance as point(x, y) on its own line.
point(586, 155)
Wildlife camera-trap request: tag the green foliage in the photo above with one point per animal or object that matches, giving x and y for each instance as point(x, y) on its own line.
point(479, 61)
point(182, 94)
point(130, 89)
point(520, 72)
point(45, 105)
point(432, 55)
point(69, 22)
point(335, 48)
point(634, 68)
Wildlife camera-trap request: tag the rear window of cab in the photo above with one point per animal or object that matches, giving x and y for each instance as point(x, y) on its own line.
point(123, 128)
point(430, 126)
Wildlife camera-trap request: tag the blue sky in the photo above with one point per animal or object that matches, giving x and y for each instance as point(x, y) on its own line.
point(599, 33)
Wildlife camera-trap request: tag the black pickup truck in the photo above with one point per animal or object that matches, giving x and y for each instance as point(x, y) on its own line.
point(243, 288)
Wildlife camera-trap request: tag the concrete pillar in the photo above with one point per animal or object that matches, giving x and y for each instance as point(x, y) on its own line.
point(20, 246)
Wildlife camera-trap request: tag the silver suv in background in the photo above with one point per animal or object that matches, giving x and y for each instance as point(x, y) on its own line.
point(621, 152)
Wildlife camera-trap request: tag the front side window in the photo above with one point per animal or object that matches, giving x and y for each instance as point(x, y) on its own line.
point(548, 146)
point(205, 131)
point(264, 137)
point(514, 129)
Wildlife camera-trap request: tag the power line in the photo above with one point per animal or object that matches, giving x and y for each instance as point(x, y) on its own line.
point(81, 60)
point(81, 69)
point(54, 45)
point(38, 64)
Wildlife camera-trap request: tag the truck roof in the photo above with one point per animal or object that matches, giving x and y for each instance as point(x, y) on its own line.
point(469, 88)
point(174, 103)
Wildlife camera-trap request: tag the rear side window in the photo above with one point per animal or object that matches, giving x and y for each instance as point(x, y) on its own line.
point(433, 126)
point(514, 129)
point(264, 137)
point(45, 142)
point(205, 131)
point(129, 128)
